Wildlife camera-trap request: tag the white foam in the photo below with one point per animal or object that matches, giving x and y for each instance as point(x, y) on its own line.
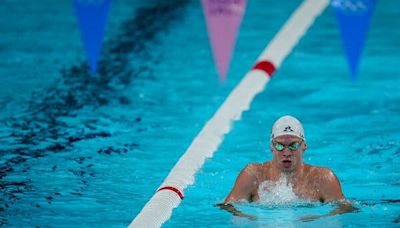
point(277, 193)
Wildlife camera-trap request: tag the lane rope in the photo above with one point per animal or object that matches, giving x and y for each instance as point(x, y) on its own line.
point(159, 208)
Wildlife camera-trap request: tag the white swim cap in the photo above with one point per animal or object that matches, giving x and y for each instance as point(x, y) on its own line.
point(287, 125)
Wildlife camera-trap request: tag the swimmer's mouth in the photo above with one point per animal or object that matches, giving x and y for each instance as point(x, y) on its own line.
point(287, 163)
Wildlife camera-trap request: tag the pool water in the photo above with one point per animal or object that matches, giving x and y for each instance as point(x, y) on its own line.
point(81, 151)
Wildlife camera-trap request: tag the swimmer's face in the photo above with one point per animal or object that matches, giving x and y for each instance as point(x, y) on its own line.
point(288, 152)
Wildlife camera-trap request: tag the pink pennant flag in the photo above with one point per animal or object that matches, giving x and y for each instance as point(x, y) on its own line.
point(223, 19)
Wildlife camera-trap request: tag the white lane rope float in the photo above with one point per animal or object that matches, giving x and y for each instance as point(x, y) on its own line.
point(169, 195)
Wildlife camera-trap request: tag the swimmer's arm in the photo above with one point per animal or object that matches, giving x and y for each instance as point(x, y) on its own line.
point(230, 208)
point(244, 186)
point(242, 190)
point(343, 207)
point(331, 191)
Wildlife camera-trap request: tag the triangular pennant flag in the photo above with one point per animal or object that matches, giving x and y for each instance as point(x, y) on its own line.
point(353, 17)
point(92, 17)
point(223, 21)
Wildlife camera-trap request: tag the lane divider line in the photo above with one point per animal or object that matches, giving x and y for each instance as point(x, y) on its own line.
point(159, 208)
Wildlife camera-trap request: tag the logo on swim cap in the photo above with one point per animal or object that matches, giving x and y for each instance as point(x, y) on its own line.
point(287, 125)
point(288, 128)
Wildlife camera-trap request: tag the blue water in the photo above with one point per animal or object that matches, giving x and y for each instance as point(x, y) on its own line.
point(80, 151)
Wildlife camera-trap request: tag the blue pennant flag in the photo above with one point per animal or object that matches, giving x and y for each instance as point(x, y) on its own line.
point(353, 17)
point(92, 17)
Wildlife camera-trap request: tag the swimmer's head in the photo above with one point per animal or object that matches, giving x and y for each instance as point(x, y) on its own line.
point(287, 125)
point(287, 144)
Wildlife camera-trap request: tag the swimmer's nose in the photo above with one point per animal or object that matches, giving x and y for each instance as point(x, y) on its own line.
point(287, 152)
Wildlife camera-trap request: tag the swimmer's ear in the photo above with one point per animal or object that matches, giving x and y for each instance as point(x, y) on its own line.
point(271, 147)
point(304, 146)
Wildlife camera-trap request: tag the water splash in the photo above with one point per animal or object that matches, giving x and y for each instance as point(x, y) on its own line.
point(277, 193)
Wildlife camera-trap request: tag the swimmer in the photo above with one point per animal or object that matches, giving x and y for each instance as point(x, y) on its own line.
point(313, 183)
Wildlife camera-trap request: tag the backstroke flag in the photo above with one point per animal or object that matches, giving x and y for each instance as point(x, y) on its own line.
point(223, 19)
point(92, 17)
point(353, 17)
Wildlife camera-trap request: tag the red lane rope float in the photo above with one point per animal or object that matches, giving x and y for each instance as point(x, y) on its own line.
point(266, 66)
point(177, 191)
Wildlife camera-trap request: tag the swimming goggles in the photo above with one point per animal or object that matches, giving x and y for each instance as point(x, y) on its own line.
point(293, 147)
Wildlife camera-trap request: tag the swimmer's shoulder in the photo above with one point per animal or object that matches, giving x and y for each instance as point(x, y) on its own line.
point(320, 171)
point(254, 166)
point(327, 183)
point(259, 167)
point(255, 169)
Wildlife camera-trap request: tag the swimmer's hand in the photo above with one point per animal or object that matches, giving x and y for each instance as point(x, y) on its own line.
point(230, 208)
point(344, 206)
point(309, 218)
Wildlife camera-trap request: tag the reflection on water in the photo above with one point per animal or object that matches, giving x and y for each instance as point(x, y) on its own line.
point(286, 214)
